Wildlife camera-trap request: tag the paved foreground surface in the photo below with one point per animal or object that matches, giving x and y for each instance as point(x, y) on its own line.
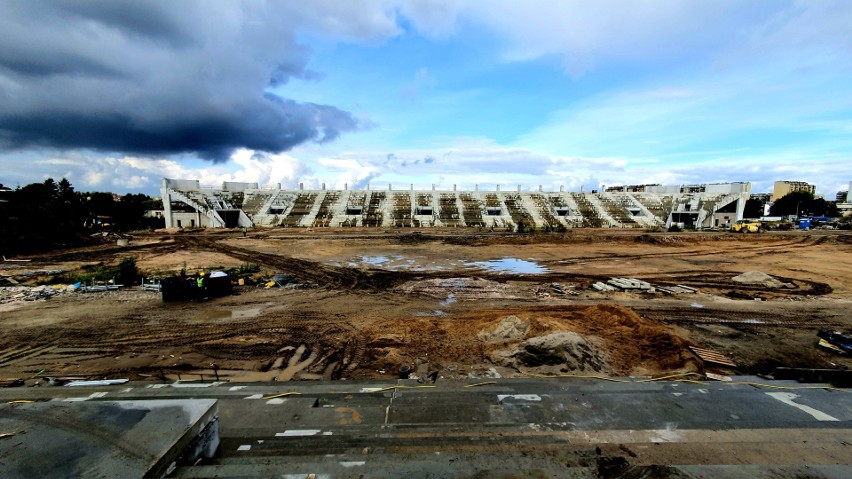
point(565, 427)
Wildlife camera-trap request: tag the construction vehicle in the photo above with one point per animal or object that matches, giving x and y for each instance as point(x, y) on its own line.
point(746, 226)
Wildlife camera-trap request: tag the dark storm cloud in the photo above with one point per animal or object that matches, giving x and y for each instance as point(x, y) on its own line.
point(156, 78)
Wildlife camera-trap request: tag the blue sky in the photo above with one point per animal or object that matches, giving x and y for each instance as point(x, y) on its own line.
point(570, 93)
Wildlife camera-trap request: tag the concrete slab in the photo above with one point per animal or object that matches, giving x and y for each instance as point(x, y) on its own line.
point(69, 439)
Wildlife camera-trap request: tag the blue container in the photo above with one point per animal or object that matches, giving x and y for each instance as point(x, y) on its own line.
point(805, 224)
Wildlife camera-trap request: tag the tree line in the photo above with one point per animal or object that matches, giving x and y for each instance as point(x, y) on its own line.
point(797, 203)
point(48, 215)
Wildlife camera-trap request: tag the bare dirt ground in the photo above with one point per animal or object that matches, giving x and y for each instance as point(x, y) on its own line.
point(372, 301)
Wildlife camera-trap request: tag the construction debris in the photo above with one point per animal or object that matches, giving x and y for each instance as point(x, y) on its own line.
point(26, 293)
point(718, 377)
point(153, 285)
point(603, 287)
point(631, 284)
point(757, 278)
point(712, 357)
point(16, 260)
point(835, 341)
point(99, 288)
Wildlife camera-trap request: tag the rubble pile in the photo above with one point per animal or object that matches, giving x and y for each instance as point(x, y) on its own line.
point(757, 278)
point(25, 293)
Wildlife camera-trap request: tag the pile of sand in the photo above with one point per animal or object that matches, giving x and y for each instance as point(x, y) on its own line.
point(565, 351)
point(757, 278)
point(510, 328)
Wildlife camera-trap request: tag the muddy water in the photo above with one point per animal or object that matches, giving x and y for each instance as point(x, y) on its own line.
point(505, 265)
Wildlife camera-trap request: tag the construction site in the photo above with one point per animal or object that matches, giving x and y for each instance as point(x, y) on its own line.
point(362, 303)
point(433, 352)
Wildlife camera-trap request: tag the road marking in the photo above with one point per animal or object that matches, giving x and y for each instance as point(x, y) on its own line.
point(90, 396)
point(254, 396)
point(787, 398)
point(244, 447)
point(349, 464)
point(298, 432)
point(236, 388)
point(519, 397)
point(276, 401)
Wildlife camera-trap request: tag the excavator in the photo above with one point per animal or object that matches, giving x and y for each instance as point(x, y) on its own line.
point(746, 226)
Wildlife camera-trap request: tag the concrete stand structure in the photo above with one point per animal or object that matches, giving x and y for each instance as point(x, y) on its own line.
point(187, 204)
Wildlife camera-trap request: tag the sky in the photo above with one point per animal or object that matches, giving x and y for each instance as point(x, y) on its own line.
point(114, 96)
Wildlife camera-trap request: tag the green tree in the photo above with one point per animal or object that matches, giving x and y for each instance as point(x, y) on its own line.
point(753, 209)
point(801, 203)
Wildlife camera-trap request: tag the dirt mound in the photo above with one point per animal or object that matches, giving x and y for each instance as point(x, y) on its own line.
point(659, 239)
point(563, 352)
point(757, 278)
point(511, 327)
point(636, 345)
point(608, 339)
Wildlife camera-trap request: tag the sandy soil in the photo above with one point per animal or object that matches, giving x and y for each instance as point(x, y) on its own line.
point(375, 300)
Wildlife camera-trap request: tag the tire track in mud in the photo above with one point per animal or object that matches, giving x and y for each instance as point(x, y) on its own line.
point(379, 279)
point(765, 249)
point(753, 319)
point(315, 272)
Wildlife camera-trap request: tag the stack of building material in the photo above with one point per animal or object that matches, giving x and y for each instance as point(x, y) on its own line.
point(630, 284)
point(599, 286)
point(677, 289)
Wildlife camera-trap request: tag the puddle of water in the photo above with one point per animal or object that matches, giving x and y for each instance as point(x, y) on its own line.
point(451, 298)
point(510, 266)
point(374, 260)
point(211, 315)
point(401, 262)
point(245, 313)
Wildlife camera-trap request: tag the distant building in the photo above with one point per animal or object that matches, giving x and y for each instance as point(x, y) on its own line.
point(784, 188)
point(762, 197)
point(630, 188)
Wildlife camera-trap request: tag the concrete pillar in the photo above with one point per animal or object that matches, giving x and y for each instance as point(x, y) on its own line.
point(412, 187)
point(454, 187)
point(301, 186)
point(323, 185)
point(345, 186)
point(561, 188)
point(390, 187)
point(167, 208)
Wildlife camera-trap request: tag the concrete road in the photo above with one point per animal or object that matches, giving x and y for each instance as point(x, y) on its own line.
point(513, 428)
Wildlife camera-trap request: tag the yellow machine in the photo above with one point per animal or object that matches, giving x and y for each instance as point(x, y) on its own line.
point(746, 226)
